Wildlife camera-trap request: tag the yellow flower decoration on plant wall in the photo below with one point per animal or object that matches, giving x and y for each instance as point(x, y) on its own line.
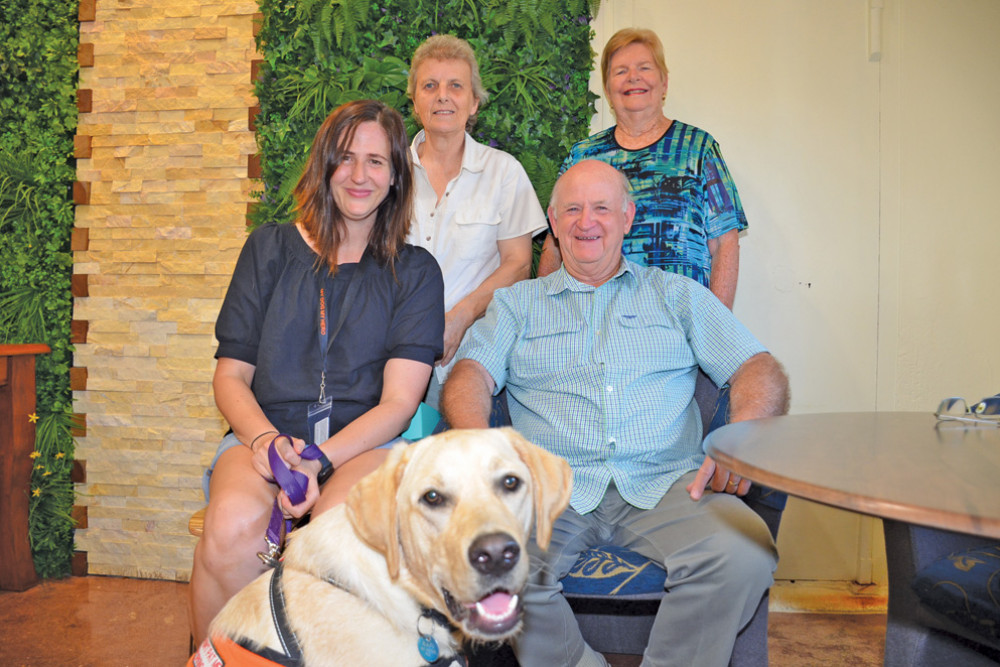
point(35, 455)
point(33, 418)
point(36, 492)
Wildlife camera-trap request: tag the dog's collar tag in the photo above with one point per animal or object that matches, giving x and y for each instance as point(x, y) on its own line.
point(427, 645)
point(428, 648)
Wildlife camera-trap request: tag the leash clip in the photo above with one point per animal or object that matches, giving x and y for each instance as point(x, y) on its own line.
point(270, 557)
point(294, 484)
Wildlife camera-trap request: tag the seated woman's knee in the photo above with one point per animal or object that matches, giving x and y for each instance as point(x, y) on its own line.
point(231, 531)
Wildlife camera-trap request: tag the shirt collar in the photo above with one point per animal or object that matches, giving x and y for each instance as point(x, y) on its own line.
point(473, 155)
point(562, 281)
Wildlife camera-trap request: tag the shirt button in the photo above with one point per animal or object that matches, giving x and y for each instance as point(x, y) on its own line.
point(610, 389)
point(428, 238)
point(432, 215)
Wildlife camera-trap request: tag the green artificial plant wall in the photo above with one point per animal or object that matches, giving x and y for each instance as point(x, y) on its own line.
point(534, 57)
point(38, 81)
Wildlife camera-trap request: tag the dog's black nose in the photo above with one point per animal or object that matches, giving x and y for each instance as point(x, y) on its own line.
point(494, 554)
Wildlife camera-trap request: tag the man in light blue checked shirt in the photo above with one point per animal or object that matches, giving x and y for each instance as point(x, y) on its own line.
point(599, 359)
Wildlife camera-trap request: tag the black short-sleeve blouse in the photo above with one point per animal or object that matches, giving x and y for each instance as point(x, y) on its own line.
point(270, 317)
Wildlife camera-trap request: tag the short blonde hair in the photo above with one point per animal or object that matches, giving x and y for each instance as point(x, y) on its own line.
point(625, 37)
point(448, 47)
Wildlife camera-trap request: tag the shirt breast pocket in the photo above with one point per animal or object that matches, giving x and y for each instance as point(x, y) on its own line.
point(650, 343)
point(476, 233)
point(548, 349)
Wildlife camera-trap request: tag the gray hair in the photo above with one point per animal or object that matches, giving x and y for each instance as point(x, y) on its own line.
point(448, 47)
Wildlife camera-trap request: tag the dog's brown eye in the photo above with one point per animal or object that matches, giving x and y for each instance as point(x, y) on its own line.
point(432, 498)
point(511, 483)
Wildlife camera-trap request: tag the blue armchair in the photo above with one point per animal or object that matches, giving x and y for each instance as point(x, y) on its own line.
point(921, 631)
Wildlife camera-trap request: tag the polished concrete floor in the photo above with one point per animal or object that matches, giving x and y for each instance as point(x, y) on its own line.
point(115, 622)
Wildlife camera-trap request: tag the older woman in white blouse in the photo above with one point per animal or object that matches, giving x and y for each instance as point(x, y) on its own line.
point(475, 209)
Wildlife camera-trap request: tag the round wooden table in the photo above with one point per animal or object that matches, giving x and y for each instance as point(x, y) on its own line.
point(897, 465)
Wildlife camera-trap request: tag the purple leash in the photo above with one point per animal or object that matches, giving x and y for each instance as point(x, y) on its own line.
point(294, 484)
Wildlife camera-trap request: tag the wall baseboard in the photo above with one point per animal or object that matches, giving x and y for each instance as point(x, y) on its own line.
point(828, 597)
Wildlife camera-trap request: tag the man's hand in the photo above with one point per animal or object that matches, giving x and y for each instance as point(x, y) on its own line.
point(720, 479)
point(758, 388)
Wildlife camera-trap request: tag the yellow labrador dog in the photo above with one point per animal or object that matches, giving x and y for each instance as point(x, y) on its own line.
point(428, 550)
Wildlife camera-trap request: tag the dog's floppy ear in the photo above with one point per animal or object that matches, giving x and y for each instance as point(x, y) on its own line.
point(551, 485)
point(371, 508)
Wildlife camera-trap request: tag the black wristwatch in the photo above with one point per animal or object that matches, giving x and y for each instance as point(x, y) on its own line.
point(325, 470)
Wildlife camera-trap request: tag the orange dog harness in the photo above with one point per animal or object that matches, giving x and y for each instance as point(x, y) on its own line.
point(224, 652)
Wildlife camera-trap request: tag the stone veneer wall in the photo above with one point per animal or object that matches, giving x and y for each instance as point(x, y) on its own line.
point(163, 145)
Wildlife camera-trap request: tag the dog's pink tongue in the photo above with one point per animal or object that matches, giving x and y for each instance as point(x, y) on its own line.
point(496, 604)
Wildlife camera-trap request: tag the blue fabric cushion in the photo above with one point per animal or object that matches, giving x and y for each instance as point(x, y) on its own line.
point(965, 587)
point(423, 423)
point(611, 570)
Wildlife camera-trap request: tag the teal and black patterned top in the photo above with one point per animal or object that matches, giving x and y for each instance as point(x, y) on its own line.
point(683, 192)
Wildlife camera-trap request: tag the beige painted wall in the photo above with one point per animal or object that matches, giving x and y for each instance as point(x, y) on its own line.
point(940, 223)
point(868, 183)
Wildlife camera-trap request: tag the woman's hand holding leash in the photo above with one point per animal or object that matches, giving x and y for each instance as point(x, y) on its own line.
point(289, 450)
point(299, 488)
point(261, 446)
point(311, 468)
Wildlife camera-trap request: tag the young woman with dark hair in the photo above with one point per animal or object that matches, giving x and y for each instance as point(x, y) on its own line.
point(328, 334)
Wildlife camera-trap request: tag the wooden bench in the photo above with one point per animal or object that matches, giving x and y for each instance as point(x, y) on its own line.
point(196, 524)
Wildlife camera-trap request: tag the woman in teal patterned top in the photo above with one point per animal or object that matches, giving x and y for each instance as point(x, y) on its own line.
point(688, 212)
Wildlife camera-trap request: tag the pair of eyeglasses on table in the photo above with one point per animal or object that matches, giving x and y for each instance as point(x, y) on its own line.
point(986, 411)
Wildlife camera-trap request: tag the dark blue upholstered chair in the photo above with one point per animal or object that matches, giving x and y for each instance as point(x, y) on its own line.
point(918, 632)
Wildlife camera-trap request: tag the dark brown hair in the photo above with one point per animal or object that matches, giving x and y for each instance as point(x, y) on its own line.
point(316, 208)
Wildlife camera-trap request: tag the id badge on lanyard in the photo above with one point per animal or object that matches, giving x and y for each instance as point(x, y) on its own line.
point(318, 413)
